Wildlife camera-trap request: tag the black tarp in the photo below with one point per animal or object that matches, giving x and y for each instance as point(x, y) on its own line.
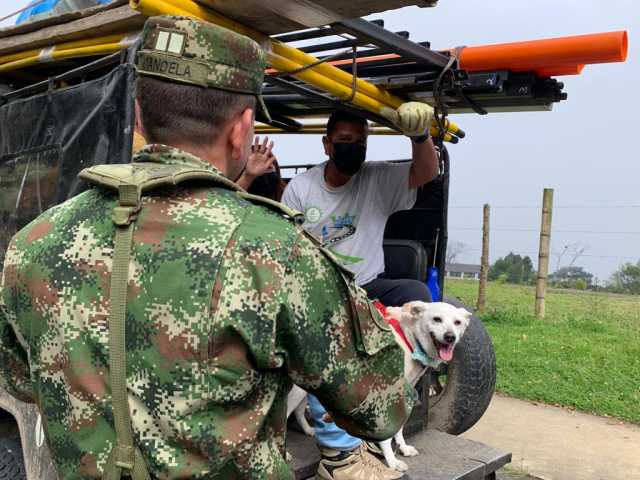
point(46, 139)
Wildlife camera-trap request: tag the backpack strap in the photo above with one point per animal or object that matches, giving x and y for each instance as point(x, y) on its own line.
point(278, 207)
point(147, 176)
point(125, 458)
point(130, 181)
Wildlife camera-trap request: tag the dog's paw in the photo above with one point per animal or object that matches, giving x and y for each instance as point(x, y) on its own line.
point(309, 432)
point(288, 457)
point(409, 451)
point(398, 465)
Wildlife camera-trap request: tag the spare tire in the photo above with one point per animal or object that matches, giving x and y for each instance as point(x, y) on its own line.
point(11, 461)
point(460, 392)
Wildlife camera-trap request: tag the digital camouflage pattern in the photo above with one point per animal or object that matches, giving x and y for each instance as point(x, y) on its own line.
point(228, 302)
point(186, 50)
point(193, 51)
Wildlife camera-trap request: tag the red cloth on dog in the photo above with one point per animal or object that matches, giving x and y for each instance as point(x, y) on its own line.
point(393, 322)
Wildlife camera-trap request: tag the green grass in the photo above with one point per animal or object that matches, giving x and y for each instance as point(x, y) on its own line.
point(585, 354)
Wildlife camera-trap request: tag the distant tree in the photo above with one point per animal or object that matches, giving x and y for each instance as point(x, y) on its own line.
point(454, 250)
point(626, 279)
point(580, 284)
point(502, 278)
point(571, 277)
point(513, 269)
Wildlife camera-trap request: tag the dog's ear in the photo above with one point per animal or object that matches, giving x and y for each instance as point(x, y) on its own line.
point(417, 309)
point(465, 314)
point(401, 314)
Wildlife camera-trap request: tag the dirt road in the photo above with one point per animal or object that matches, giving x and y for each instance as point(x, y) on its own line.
point(555, 444)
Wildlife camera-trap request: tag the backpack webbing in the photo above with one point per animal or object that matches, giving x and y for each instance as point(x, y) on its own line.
point(125, 458)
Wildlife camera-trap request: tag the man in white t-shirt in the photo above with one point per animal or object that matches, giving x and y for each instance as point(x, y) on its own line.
point(347, 203)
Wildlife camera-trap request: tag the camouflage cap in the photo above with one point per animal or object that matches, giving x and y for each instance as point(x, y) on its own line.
point(187, 50)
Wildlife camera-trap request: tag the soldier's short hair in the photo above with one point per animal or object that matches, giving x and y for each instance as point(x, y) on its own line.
point(179, 114)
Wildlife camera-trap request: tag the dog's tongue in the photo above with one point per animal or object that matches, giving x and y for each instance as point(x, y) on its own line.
point(445, 352)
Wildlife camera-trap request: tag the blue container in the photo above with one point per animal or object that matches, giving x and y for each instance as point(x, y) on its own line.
point(43, 7)
point(433, 285)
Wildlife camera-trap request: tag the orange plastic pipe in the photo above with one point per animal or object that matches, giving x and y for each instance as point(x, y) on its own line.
point(561, 70)
point(564, 54)
point(546, 57)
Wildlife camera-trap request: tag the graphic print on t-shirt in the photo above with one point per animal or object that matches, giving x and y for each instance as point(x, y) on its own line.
point(340, 228)
point(375, 192)
point(312, 214)
point(345, 260)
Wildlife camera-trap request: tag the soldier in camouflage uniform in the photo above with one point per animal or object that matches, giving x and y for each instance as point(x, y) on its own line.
point(228, 301)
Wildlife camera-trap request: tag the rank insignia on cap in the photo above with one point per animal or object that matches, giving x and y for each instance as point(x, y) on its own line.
point(194, 52)
point(170, 42)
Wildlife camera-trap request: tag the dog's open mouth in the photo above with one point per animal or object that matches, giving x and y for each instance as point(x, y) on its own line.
point(445, 350)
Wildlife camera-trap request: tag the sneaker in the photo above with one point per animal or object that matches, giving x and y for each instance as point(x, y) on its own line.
point(356, 464)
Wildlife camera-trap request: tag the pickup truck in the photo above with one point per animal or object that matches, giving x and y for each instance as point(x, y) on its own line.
point(66, 103)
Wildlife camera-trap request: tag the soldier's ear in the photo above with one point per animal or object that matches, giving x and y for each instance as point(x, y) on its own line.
point(241, 127)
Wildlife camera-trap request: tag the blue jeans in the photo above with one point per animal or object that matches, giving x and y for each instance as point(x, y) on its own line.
point(328, 434)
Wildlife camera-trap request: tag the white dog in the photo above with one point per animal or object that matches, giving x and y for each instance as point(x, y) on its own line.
point(428, 334)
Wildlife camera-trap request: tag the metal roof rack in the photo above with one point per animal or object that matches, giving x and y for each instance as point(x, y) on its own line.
point(361, 66)
point(405, 68)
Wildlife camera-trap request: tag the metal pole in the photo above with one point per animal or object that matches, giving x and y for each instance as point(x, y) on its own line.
point(377, 35)
point(543, 255)
point(484, 261)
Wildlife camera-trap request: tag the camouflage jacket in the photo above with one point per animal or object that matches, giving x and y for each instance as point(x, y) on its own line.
point(228, 302)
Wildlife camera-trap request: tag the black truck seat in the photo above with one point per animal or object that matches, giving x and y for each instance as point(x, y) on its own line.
point(405, 259)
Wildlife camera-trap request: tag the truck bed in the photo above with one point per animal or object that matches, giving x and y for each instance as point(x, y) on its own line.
point(442, 457)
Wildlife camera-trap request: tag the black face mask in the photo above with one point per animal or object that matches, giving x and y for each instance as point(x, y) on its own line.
point(349, 157)
point(266, 185)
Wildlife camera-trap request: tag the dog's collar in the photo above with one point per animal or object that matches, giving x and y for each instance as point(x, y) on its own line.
point(417, 353)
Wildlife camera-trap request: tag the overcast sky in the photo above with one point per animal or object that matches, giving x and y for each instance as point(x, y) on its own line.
point(585, 148)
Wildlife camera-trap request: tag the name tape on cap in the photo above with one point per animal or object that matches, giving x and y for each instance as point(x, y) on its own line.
point(178, 68)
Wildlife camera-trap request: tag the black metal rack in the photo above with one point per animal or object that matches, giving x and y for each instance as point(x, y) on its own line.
point(408, 69)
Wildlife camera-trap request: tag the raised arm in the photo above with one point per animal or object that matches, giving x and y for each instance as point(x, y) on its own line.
point(414, 120)
point(260, 162)
point(425, 164)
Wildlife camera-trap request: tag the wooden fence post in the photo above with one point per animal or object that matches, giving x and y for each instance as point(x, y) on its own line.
point(543, 254)
point(484, 261)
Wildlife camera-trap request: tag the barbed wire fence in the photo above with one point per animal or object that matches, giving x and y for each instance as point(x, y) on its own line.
point(584, 233)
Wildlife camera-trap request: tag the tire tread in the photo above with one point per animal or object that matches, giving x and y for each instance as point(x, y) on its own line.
point(11, 460)
point(470, 384)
